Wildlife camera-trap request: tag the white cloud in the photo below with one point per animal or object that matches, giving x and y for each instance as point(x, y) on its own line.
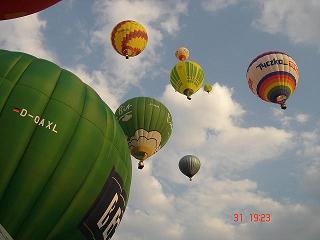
point(287, 121)
point(302, 118)
point(205, 210)
point(25, 34)
point(299, 20)
point(96, 79)
point(309, 153)
point(296, 19)
point(214, 5)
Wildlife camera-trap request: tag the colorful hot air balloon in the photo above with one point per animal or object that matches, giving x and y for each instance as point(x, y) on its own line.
point(189, 165)
point(18, 8)
point(129, 38)
point(147, 124)
point(187, 77)
point(273, 77)
point(182, 53)
point(207, 87)
point(64, 159)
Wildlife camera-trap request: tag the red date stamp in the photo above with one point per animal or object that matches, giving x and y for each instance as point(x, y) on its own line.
point(239, 217)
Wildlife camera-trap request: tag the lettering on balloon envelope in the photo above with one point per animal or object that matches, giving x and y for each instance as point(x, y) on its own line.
point(106, 212)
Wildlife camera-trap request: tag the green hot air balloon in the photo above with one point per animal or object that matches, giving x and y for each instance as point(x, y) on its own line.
point(64, 159)
point(189, 165)
point(147, 124)
point(207, 87)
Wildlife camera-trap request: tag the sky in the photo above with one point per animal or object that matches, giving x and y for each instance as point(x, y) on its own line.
point(255, 157)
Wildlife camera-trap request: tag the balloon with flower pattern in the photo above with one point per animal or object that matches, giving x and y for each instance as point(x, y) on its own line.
point(147, 124)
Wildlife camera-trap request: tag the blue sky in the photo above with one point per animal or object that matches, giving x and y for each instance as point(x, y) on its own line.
point(255, 157)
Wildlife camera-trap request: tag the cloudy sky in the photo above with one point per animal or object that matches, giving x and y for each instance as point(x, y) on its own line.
point(255, 157)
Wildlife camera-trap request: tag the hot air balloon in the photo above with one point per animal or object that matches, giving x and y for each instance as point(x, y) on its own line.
point(182, 53)
point(129, 38)
point(207, 87)
point(147, 124)
point(64, 159)
point(189, 165)
point(187, 77)
point(273, 77)
point(18, 8)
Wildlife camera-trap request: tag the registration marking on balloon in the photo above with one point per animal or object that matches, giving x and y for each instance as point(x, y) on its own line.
point(42, 122)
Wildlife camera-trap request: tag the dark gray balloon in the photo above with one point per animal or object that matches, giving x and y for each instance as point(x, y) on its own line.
point(189, 165)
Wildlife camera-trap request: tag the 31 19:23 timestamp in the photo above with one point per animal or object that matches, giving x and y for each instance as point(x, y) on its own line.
point(253, 217)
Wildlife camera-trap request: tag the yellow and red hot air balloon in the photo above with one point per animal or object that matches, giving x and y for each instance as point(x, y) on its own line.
point(129, 38)
point(273, 77)
point(182, 53)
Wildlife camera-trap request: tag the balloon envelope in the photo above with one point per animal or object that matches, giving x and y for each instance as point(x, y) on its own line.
point(18, 8)
point(147, 124)
point(182, 53)
point(187, 77)
point(129, 38)
point(207, 87)
point(189, 165)
point(64, 160)
point(273, 77)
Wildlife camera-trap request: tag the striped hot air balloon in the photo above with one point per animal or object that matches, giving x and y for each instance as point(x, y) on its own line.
point(129, 38)
point(65, 167)
point(187, 77)
point(147, 124)
point(189, 165)
point(18, 8)
point(273, 77)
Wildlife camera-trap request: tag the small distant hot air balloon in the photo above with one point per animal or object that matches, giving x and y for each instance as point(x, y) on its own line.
point(273, 77)
point(182, 53)
point(18, 8)
point(147, 124)
point(187, 77)
point(129, 38)
point(189, 165)
point(207, 87)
